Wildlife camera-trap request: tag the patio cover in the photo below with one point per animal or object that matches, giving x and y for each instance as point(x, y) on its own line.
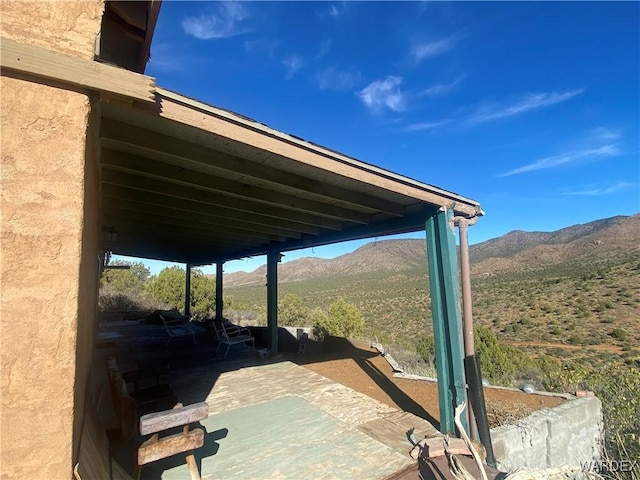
point(189, 182)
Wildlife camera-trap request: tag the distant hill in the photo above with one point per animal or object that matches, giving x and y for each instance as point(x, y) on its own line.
point(515, 250)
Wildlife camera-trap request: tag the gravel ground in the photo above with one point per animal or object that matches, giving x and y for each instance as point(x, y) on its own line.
point(362, 368)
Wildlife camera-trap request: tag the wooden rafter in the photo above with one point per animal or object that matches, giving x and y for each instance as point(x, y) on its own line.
point(126, 138)
point(87, 74)
point(206, 183)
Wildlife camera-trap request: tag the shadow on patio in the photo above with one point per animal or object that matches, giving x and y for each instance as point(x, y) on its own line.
point(268, 417)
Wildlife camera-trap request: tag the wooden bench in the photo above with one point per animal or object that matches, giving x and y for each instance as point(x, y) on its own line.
point(156, 447)
point(127, 406)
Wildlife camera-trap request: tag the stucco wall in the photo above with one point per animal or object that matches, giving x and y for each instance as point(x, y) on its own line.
point(67, 27)
point(49, 237)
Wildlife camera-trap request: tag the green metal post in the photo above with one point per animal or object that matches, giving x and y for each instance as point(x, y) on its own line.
point(273, 257)
point(219, 298)
point(447, 322)
point(187, 291)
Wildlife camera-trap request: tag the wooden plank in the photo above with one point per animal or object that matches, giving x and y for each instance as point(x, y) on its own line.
point(147, 185)
point(93, 461)
point(173, 151)
point(123, 198)
point(88, 74)
point(156, 422)
point(112, 212)
point(220, 122)
point(151, 450)
point(134, 13)
point(148, 168)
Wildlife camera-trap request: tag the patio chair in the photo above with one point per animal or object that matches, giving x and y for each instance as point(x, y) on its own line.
point(232, 335)
point(177, 328)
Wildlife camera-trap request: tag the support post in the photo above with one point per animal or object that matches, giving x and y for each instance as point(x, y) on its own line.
point(467, 314)
point(444, 289)
point(187, 291)
point(273, 257)
point(478, 420)
point(219, 298)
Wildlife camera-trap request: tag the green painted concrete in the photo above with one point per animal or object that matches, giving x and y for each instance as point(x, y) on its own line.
point(286, 438)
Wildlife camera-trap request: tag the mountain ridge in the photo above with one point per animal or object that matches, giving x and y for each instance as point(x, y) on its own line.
point(515, 250)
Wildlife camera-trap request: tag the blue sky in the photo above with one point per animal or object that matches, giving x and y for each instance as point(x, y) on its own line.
point(532, 108)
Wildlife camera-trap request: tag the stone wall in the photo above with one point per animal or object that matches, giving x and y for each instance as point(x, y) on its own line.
point(49, 244)
point(569, 434)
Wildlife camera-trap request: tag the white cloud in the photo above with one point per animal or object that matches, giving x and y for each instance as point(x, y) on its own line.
point(332, 79)
point(422, 51)
point(598, 190)
point(442, 88)
point(335, 11)
point(261, 46)
point(427, 126)
point(530, 102)
point(604, 134)
point(222, 23)
point(293, 63)
point(324, 49)
point(579, 156)
point(384, 94)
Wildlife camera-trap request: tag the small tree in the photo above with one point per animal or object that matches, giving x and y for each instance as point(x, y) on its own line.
point(343, 320)
point(129, 281)
point(203, 294)
point(168, 287)
point(292, 311)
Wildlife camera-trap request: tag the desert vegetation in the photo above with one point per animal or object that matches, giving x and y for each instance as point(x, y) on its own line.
point(563, 316)
point(136, 290)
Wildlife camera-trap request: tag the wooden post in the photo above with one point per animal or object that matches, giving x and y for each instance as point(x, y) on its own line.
point(187, 292)
point(273, 257)
point(219, 298)
point(447, 323)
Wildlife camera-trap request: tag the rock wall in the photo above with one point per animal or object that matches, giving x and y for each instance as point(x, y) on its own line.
point(569, 434)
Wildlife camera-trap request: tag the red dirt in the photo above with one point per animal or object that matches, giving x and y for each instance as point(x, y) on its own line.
point(363, 369)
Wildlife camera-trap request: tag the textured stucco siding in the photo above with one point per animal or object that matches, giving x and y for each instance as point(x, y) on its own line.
point(49, 245)
point(68, 27)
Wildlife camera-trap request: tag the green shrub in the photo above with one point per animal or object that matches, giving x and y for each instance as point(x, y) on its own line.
point(169, 287)
point(619, 334)
point(292, 311)
point(426, 348)
point(344, 319)
point(499, 363)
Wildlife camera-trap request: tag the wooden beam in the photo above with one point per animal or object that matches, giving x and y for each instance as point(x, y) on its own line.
point(393, 226)
point(219, 294)
point(187, 292)
point(150, 451)
point(172, 212)
point(159, 421)
point(147, 168)
point(144, 230)
point(228, 235)
point(112, 213)
point(227, 124)
point(273, 258)
point(146, 185)
point(43, 63)
point(173, 151)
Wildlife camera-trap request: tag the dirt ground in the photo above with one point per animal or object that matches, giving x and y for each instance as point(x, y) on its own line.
point(363, 369)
